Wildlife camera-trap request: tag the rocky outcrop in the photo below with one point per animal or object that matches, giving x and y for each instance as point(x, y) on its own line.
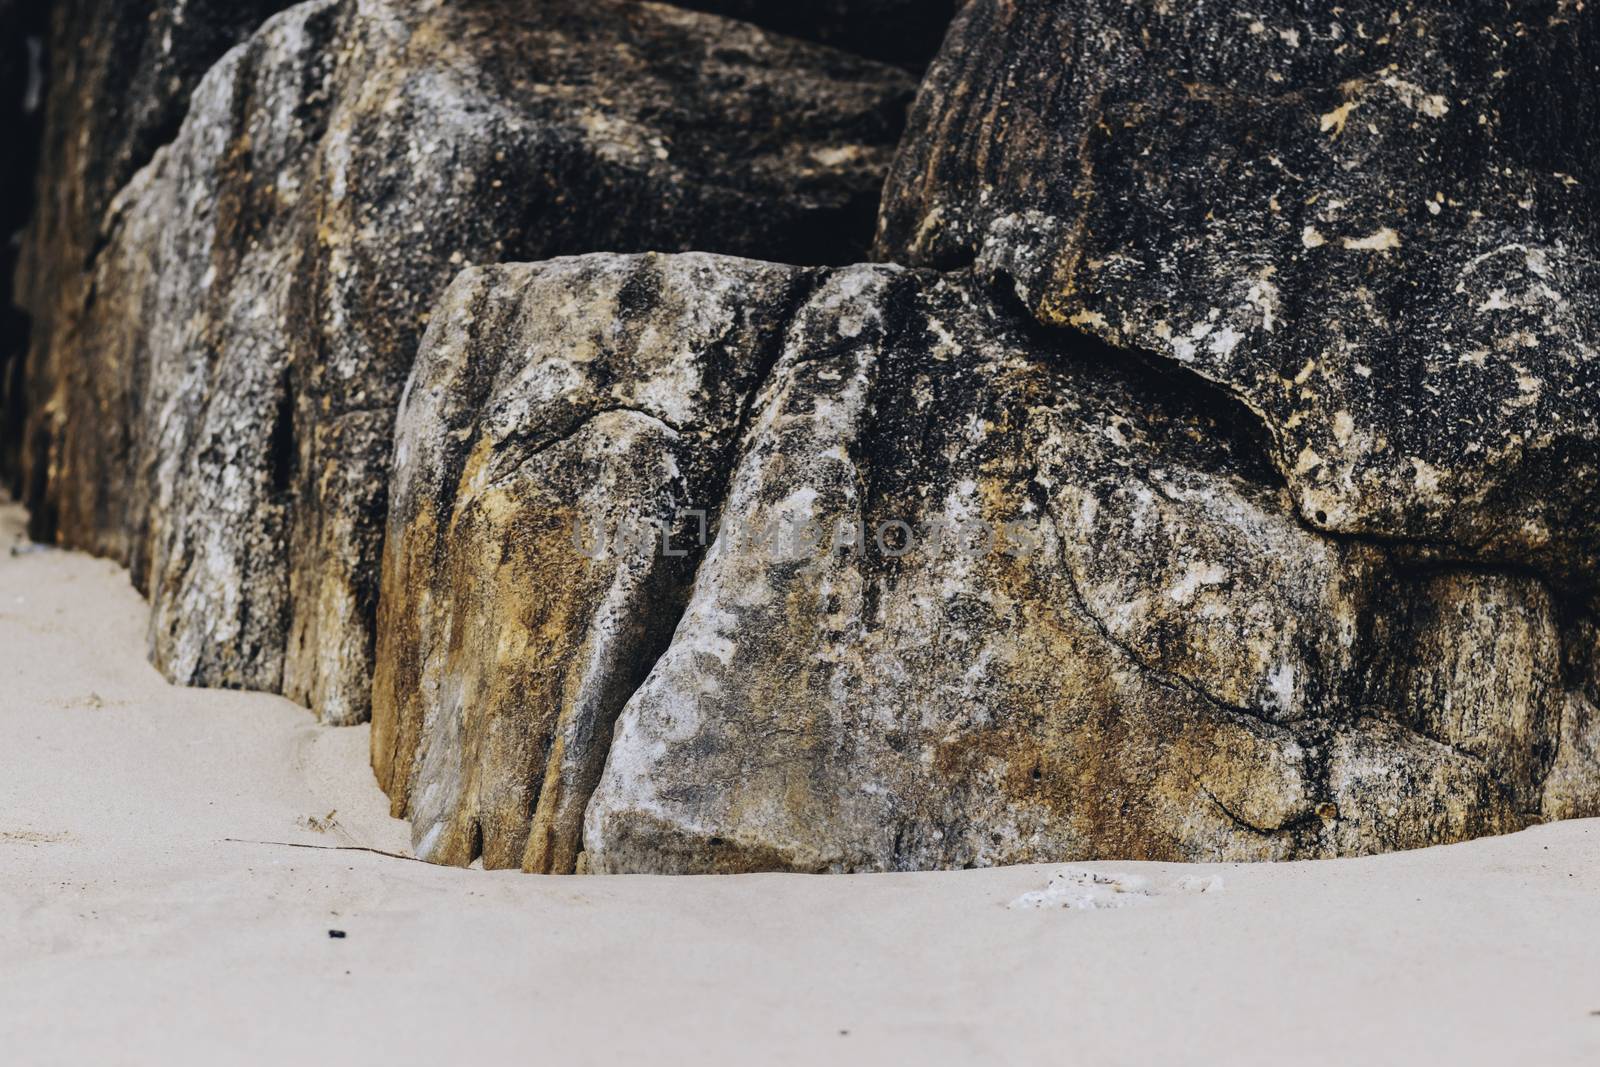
point(224, 421)
point(122, 71)
point(564, 440)
point(974, 593)
point(907, 32)
point(1373, 225)
point(1218, 478)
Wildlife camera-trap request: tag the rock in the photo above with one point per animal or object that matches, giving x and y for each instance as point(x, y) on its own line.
point(1458, 683)
point(559, 417)
point(907, 32)
point(1392, 788)
point(264, 282)
point(975, 594)
point(1572, 787)
point(1172, 671)
point(1219, 481)
point(122, 72)
point(1376, 229)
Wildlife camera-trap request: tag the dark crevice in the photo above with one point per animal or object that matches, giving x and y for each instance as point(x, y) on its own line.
point(24, 80)
point(907, 33)
point(1159, 384)
point(874, 451)
point(1291, 827)
point(801, 295)
point(282, 453)
point(518, 449)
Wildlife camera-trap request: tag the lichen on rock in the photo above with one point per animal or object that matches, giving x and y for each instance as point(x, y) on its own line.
point(225, 413)
point(1373, 224)
point(974, 593)
point(563, 444)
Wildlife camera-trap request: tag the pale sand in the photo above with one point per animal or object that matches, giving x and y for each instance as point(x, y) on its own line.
point(133, 930)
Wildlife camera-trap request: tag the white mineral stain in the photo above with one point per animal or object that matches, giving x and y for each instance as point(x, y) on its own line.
point(1381, 241)
point(1196, 576)
point(1224, 341)
point(1280, 687)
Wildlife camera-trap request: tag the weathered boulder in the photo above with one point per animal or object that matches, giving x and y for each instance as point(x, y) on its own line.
point(226, 414)
point(1374, 224)
point(1572, 787)
point(907, 32)
point(975, 593)
point(562, 418)
point(121, 73)
point(120, 79)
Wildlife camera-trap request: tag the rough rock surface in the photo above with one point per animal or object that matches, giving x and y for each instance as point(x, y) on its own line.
point(907, 32)
point(1219, 480)
point(1372, 223)
point(560, 417)
point(226, 425)
point(121, 73)
point(1108, 634)
point(1572, 788)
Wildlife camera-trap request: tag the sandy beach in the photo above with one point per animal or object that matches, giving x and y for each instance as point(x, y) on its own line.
point(173, 862)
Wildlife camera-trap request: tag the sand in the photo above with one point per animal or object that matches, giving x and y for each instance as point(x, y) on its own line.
point(153, 909)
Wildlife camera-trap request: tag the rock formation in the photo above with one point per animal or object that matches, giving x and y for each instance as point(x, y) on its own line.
point(976, 594)
point(564, 424)
point(1372, 223)
point(222, 410)
point(1211, 470)
point(121, 73)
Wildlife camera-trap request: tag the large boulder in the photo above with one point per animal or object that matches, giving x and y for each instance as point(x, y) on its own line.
point(973, 594)
point(564, 423)
point(223, 416)
point(120, 76)
point(1374, 224)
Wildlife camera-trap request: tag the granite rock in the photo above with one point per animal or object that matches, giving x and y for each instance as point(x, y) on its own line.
point(974, 593)
point(1373, 224)
point(564, 440)
point(226, 414)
